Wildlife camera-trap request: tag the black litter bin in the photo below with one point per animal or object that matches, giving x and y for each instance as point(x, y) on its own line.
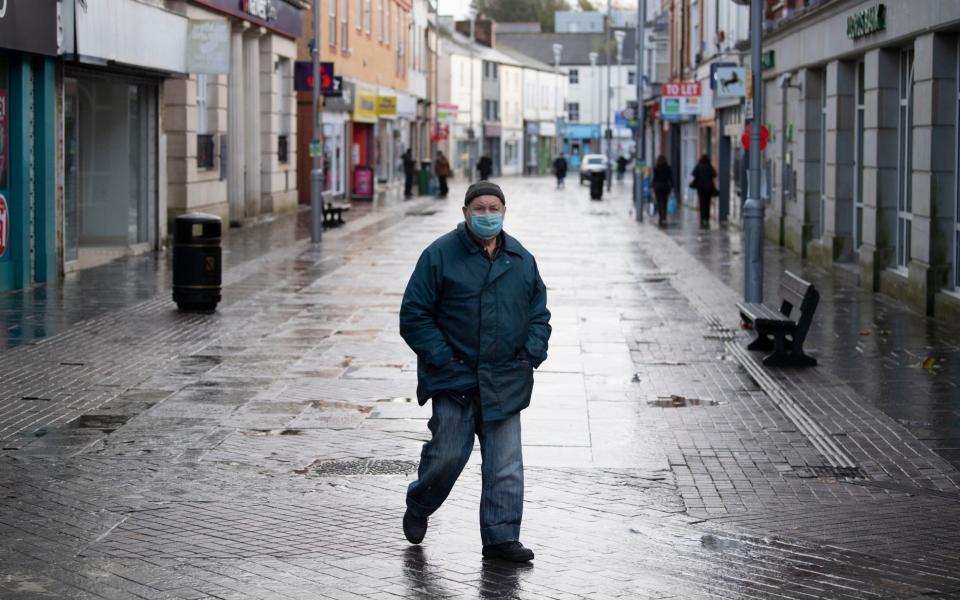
point(197, 262)
point(596, 184)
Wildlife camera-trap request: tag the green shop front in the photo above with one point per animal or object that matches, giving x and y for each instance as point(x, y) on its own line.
point(28, 50)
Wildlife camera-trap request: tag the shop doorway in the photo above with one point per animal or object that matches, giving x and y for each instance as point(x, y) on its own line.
point(110, 157)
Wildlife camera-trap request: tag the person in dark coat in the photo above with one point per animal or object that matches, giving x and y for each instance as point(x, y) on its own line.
point(560, 170)
point(475, 313)
point(485, 167)
point(409, 166)
point(442, 169)
point(622, 162)
point(662, 184)
point(703, 175)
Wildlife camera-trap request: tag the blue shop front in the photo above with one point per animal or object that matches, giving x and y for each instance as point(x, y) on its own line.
point(29, 46)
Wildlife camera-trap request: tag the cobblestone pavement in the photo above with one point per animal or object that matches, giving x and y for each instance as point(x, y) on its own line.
point(263, 451)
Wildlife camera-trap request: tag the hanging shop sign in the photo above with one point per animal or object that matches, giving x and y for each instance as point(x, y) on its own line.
point(867, 21)
point(768, 60)
point(447, 113)
point(30, 26)
point(730, 82)
point(680, 98)
point(4, 225)
point(208, 47)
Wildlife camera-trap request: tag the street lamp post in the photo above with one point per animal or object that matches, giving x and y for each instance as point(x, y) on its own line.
point(557, 51)
point(608, 134)
point(753, 207)
point(316, 173)
point(593, 68)
point(619, 35)
point(639, 134)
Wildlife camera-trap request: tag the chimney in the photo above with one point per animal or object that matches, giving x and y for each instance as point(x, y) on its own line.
point(484, 30)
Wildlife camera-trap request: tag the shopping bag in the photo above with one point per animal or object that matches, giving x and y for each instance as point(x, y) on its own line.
point(672, 204)
point(651, 208)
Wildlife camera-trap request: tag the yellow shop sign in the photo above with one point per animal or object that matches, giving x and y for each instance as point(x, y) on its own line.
point(365, 108)
point(387, 106)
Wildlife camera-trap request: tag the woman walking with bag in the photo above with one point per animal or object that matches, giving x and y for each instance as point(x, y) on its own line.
point(662, 184)
point(703, 175)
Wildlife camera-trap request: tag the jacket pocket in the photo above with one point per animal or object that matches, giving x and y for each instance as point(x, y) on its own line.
point(515, 385)
point(456, 375)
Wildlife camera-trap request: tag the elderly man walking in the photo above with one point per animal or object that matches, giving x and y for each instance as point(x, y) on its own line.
point(475, 312)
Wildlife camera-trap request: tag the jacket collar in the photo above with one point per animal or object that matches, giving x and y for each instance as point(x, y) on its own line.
point(509, 243)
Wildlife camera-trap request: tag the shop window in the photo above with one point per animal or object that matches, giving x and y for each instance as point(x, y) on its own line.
point(206, 151)
point(574, 76)
point(956, 179)
point(282, 146)
point(904, 159)
point(858, 159)
point(573, 112)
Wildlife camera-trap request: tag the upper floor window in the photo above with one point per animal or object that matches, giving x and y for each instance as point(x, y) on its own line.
point(359, 14)
point(344, 24)
point(573, 111)
point(574, 76)
point(631, 78)
point(332, 20)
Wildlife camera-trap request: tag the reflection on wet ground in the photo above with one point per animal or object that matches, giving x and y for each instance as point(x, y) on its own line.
point(904, 362)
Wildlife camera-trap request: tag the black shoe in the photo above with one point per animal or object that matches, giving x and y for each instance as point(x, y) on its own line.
point(414, 527)
point(509, 551)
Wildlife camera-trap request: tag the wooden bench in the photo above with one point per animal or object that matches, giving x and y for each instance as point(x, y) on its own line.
point(333, 213)
point(777, 331)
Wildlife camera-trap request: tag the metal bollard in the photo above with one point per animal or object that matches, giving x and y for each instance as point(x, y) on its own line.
point(197, 264)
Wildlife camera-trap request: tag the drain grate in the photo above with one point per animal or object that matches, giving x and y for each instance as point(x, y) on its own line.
point(677, 401)
point(367, 466)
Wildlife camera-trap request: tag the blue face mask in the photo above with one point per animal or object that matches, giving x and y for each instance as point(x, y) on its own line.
point(486, 227)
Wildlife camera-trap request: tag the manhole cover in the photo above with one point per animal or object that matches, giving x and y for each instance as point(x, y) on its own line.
point(368, 466)
point(675, 401)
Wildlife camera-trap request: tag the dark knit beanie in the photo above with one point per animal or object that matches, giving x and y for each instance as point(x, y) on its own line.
point(483, 188)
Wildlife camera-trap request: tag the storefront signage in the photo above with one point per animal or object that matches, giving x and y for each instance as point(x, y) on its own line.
point(4, 225)
point(365, 108)
point(865, 22)
point(281, 17)
point(447, 113)
point(730, 82)
point(680, 98)
point(3, 138)
point(265, 9)
point(386, 106)
point(533, 128)
point(133, 34)
point(491, 130)
point(768, 60)
point(30, 26)
point(208, 47)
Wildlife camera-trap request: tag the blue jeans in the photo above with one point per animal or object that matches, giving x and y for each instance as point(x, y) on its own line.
point(456, 419)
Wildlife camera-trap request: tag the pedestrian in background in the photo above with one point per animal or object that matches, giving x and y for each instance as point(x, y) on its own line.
point(442, 169)
point(485, 167)
point(560, 170)
point(409, 165)
point(662, 185)
point(702, 180)
point(475, 312)
point(621, 166)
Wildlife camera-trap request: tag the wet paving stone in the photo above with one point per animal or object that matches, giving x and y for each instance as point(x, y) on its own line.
point(263, 451)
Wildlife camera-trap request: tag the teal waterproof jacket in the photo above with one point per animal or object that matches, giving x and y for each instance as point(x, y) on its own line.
point(476, 322)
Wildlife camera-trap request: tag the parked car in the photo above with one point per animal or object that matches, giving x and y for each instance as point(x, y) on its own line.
point(590, 163)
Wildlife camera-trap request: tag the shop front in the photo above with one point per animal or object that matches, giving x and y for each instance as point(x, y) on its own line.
point(531, 147)
point(548, 133)
point(491, 145)
point(111, 129)
point(579, 139)
point(363, 143)
point(28, 47)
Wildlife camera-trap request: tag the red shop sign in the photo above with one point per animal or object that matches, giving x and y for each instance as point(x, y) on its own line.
point(4, 225)
point(674, 89)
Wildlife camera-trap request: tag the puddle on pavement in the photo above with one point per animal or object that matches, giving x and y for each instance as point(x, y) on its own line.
point(403, 400)
point(340, 405)
point(676, 401)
